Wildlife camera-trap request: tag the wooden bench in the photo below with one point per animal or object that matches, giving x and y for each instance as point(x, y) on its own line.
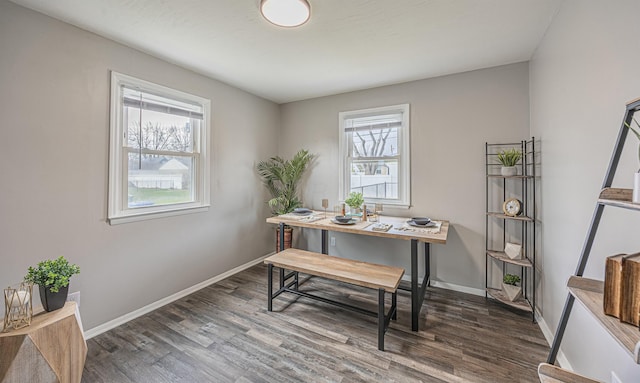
point(383, 278)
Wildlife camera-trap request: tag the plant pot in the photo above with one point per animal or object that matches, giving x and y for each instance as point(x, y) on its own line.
point(53, 301)
point(287, 238)
point(512, 292)
point(509, 171)
point(636, 188)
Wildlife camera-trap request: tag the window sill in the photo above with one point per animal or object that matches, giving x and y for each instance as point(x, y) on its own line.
point(142, 216)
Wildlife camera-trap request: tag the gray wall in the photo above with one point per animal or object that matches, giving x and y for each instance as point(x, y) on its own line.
point(582, 75)
point(54, 113)
point(451, 119)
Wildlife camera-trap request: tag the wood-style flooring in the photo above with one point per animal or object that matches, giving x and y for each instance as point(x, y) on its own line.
point(224, 333)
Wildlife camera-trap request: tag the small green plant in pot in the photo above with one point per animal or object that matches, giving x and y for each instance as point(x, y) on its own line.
point(510, 286)
point(509, 159)
point(355, 201)
point(52, 277)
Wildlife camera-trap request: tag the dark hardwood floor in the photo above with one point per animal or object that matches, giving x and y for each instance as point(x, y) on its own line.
point(223, 333)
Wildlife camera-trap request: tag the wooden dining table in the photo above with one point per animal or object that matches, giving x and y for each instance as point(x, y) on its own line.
point(399, 230)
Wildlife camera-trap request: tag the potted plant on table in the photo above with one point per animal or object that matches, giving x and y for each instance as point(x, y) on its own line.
point(281, 178)
point(510, 286)
point(509, 159)
point(52, 277)
point(355, 201)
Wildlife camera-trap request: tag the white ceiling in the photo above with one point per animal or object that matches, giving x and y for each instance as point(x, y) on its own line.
point(347, 44)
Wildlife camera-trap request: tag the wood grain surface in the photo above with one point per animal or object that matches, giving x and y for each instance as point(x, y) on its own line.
point(365, 228)
point(553, 374)
point(223, 333)
point(359, 273)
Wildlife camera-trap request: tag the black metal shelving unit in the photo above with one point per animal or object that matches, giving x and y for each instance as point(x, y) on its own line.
point(587, 291)
point(522, 187)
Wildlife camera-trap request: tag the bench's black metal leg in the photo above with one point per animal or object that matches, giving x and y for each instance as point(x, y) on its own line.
point(394, 306)
point(281, 277)
point(270, 287)
point(381, 319)
point(415, 302)
point(297, 279)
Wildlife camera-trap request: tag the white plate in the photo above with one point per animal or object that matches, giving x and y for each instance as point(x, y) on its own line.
point(430, 224)
point(351, 222)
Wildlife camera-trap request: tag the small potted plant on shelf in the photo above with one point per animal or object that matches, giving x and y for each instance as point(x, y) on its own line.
point(355, 201)
point(636, 179)
point(509, 159)
point(510, 286)
point(52, 277)
point(281, 178)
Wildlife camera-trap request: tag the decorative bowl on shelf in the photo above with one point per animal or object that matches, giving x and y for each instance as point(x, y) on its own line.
point(342, 218)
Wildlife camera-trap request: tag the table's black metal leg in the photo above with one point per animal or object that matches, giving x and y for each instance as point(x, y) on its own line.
point(270, 287)
point(427, 263)
point(381, 319)
point(325, 241)
point(394, 305)
point(281, 277)
point(281, 233)
point(415, 302)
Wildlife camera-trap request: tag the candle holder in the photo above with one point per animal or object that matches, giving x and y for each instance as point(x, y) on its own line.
point(18, 308)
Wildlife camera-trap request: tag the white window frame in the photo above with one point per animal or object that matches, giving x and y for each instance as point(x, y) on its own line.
point(404, 158)
point(118, 210)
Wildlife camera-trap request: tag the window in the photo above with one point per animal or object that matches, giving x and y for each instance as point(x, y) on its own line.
point(158, 159)
point(374, 154)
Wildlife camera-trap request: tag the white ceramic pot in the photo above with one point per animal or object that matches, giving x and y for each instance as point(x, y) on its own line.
point(512, 292)
point(508, 171)
point(636, 188)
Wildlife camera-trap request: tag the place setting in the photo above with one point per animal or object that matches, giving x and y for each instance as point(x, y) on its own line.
point(421, 225)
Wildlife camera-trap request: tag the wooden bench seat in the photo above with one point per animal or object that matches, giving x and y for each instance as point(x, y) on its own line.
point(383, 278)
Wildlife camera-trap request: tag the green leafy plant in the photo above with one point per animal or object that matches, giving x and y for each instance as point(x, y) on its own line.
point(509, 157)
point(511, 279)
point(355, 200)
point(636, 133)
point(281, 178)
point(52, 273)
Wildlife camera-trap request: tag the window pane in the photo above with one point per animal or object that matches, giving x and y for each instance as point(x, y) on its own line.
point(375, 179)
point(159, 180)
point(159, 131)
point(375, 142)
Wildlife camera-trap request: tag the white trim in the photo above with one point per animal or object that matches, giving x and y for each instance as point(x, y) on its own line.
point(404, 160)
point(548, 335)
point(459, 288)
point(171, 298)
point(117, 212)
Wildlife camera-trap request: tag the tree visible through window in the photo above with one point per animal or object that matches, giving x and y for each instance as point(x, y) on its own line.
point(374, 151)
point(158, 155)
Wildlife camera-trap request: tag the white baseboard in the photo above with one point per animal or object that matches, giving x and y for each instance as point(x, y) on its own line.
point(548, 335)
point(459, 288)
point(159, 303)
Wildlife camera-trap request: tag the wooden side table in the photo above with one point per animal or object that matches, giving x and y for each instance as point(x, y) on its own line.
point(51, 349)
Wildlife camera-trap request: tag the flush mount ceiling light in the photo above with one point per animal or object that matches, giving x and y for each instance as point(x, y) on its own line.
point(285, 13)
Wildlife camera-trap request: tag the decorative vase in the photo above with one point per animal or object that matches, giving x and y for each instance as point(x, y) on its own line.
point(287, 238)
point(53, 301)
point(511, 291)
point(509, 171)
point(636, 188)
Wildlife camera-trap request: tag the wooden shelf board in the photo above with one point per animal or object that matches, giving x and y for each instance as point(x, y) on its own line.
point(589, 293)
point(503, 216)
point(617, 197)
point(520, 303)
point(501, 256)
point(549, 373)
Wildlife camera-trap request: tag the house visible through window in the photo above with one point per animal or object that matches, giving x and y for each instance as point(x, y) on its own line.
point(158, 157)
point(374, 154)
